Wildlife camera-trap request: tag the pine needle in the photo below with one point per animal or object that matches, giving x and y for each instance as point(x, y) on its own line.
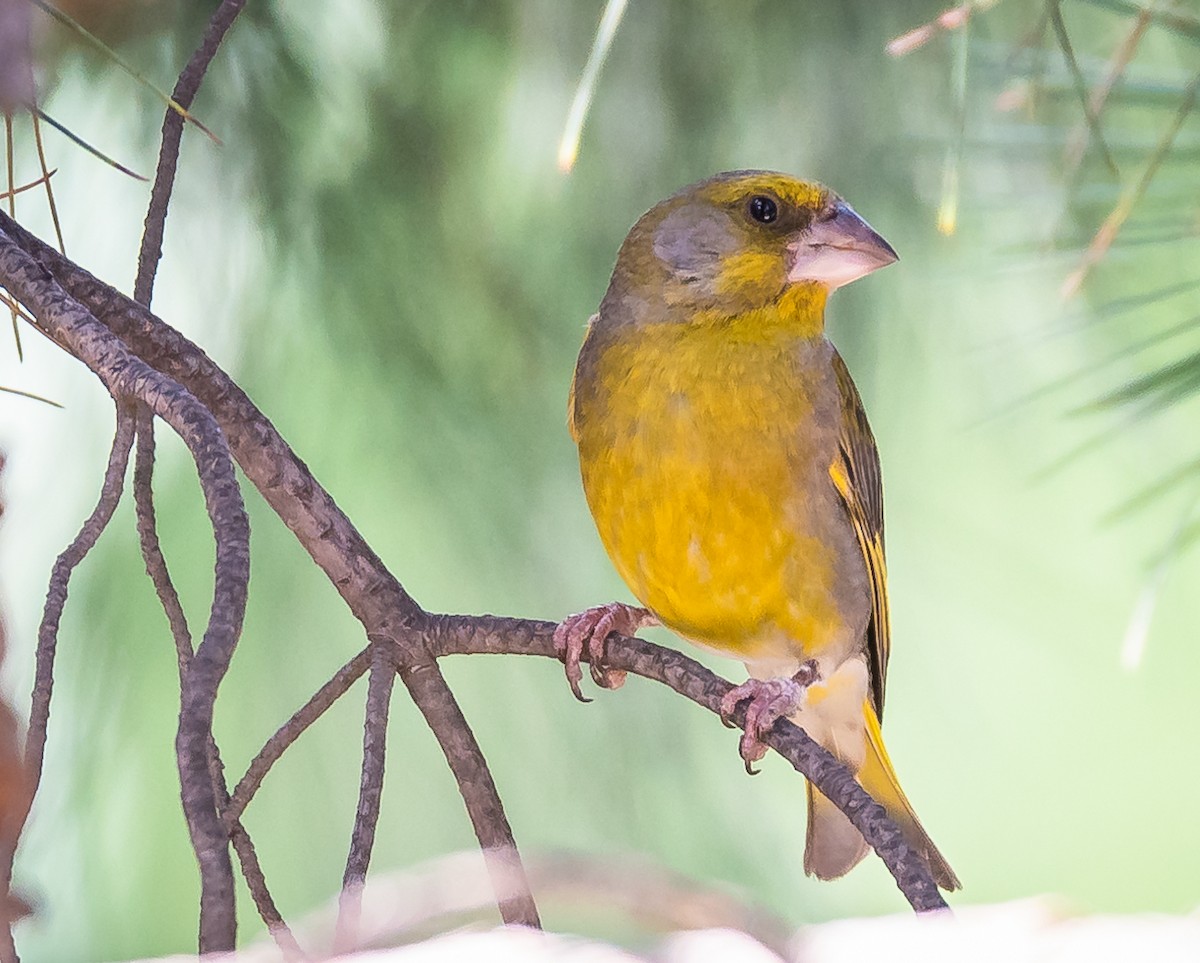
point(1129, 199)
point(30, 395)
point(947, 214)
point(88, 147)
point(568, 148)
point(1093, 121)
point(83, 32)
point(41, 153)
point(28, 187)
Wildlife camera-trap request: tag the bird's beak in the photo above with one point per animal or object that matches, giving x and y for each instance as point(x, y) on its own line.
point(837, 248)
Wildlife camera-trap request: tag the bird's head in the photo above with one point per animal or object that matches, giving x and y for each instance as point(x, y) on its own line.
point(738, 241)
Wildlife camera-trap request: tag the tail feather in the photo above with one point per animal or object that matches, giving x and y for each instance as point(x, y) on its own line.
point(834, 846)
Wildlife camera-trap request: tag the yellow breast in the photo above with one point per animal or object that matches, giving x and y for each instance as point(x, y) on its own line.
point(705, 453)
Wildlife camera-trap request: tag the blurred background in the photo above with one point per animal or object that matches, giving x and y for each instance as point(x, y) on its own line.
point(388, 258)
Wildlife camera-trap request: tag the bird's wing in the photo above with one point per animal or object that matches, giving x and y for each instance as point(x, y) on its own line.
point(855, 473)
point(571, 395)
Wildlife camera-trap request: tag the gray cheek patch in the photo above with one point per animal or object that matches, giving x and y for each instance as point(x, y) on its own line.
point(693, 240)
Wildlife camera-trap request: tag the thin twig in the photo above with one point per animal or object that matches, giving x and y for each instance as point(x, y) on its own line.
point(1173, 17)
point(44, 179)
point(168, 155)
point(91, 149)
point(89, 37)
point(458, 634)
point(444, 716)
point(291, 730)
point(370, 796)
point(60, 577)
point(252, 872)
point(56, 599)
point(156, 563)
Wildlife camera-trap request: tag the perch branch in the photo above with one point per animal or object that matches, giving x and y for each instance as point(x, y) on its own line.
point(457, 634)
point(168, 155)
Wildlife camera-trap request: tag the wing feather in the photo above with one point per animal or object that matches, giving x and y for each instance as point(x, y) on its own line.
point(855, 473)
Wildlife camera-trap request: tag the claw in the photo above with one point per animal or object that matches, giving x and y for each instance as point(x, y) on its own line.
point(769, 699)
point(588, 631)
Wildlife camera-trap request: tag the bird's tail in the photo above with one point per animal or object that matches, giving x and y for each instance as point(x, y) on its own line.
point(834, 846)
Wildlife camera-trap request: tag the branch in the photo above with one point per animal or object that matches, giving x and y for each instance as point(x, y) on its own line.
point(459, 634)
point(156, 568)
point(126, 376)
point(56, 595)
point(291, 730)
point(443, 715)
point(168, 155)
point(252, 872)
point(373, 594)
point(370, 796)
point(47, 643)
point(156, 563)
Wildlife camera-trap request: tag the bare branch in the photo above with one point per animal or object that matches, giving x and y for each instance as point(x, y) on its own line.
point(172, 134)
point(478, 789)
point(56, 599)
point(373, 594)
point(127, 376)
point(370, 795)
point(291, 730)
point(156, 563)
point(60, 577)
point(458, 634)
point(1077, 141)
point(252, 872)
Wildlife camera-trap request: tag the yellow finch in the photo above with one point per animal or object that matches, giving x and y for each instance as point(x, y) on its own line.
point(733, 477)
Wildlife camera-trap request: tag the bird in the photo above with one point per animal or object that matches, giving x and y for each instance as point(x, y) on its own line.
point(734, 479)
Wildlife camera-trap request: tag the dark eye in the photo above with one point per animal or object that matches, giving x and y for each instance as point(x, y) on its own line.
point(763, 209)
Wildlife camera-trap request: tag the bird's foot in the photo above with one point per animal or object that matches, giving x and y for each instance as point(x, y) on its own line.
point(770, 699)
point(587, 631)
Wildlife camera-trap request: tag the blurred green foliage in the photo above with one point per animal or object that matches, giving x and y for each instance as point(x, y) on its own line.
point(387, 258)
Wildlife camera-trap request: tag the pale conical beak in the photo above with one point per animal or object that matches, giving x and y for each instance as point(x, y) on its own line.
point(837, 248)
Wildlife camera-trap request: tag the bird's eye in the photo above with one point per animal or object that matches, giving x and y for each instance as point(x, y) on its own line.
point(763, 209)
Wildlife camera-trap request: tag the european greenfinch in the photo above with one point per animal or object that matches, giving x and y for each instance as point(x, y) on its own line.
point(733, 476)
